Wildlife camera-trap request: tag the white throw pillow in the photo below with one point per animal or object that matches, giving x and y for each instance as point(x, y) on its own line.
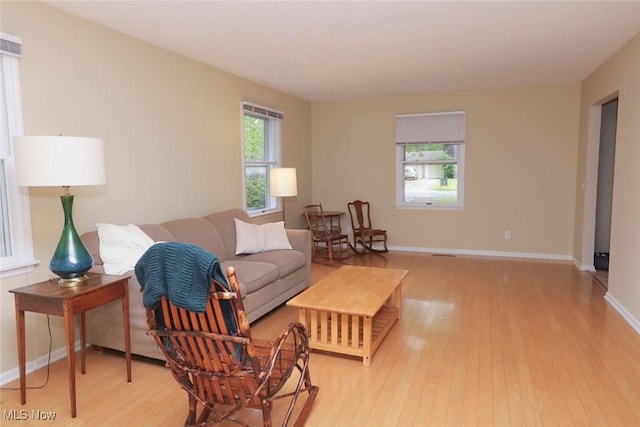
point(275, 236)
point(121, 246)
point(254, 238)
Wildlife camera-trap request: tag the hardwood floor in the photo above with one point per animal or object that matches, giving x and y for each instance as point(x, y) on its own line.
point(481, 342)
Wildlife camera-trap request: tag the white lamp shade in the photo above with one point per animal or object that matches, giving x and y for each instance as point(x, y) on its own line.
point(59, 161)
point(282, 182)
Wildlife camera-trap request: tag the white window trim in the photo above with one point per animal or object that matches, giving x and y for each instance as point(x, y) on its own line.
point(22, 260)
point(400, 164)
point(269, 113)
point(433, 206)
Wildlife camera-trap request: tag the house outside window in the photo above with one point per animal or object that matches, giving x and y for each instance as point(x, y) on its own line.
point(261, 152)
point(430, 160)
point(16, 247)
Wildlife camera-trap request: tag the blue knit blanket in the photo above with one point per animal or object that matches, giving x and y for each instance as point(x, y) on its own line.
point(180, 271)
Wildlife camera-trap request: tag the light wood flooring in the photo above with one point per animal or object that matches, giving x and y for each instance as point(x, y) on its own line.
point(481, 342)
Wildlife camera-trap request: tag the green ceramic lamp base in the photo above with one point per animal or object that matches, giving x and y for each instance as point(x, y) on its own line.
point(71, 259)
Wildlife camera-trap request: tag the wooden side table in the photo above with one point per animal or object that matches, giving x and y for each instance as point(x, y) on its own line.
point(48, 298)
point(331, 215)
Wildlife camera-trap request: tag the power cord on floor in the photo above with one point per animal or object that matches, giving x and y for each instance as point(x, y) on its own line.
point(46, 381)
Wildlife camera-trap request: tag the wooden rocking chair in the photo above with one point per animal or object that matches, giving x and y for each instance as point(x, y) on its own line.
point(363, 232)
point(222, 368)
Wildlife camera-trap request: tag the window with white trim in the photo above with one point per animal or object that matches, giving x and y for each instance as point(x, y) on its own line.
point(16, 247)
point(260, 152)
point(430, 160)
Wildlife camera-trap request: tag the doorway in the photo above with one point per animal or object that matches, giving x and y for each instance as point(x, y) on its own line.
point(604, 197)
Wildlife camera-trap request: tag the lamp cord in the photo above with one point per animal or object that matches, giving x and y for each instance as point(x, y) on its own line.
point(46, 381)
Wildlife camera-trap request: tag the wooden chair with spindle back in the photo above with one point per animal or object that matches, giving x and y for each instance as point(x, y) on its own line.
point(326, 241)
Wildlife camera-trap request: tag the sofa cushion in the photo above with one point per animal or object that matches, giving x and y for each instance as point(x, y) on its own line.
point(199, 232)
point(252, 275)
point(157, 232)
point(287, 261)
point(224, 222)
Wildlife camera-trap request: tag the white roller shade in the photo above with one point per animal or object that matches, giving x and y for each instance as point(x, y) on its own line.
point(434, 127)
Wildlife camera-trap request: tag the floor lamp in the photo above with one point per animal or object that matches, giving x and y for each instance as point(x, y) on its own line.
point(62, 161)
point(283, 183)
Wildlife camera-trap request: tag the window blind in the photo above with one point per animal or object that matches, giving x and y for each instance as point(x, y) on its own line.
point(430, 128)
point(10, 45)
point(261, 111)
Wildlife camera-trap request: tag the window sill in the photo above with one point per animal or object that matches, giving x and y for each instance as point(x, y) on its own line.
point(14, 267)
point(425, 207)
point(270, 216)
point(263, 212)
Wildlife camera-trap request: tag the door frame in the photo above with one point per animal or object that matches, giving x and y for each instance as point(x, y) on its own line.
point(590, 183)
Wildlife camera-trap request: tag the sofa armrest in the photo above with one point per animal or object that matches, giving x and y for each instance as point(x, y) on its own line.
point(301, 241)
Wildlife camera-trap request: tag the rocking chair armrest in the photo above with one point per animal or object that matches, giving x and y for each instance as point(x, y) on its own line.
point(281, 346)
point(297, 328)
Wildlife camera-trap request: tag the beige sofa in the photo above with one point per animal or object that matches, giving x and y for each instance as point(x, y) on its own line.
point(267, 279)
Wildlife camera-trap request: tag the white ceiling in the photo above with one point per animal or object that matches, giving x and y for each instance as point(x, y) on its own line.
point(327, 50)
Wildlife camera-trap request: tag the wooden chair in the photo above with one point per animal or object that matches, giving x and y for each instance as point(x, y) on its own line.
point(325, 240)
point(363, 232)
point(225, 371)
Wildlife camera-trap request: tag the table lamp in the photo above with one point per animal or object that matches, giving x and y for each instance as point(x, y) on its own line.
point(52, 161)
point(283, 183)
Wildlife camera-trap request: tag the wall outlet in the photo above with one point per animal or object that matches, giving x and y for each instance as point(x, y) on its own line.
point(507, 234)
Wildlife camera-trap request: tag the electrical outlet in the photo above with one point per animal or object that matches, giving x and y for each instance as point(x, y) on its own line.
point(507, 234)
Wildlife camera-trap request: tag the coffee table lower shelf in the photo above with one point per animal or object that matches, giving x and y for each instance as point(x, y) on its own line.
point(349, 334)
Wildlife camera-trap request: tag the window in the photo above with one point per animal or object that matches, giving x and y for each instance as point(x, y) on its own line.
point(430, 160)
point(16, 248)
point(261, 152)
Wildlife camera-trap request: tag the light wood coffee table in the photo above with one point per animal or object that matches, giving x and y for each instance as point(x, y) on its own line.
point(351, 310)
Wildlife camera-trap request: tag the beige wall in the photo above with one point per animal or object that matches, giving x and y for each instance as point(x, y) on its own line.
point(617, 75)
point(171, 128)
point(521, 149)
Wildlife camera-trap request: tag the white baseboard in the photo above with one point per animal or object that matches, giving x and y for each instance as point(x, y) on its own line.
point(635, 323)
point(34, 365)
point(504, 254)
point(582, 267)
